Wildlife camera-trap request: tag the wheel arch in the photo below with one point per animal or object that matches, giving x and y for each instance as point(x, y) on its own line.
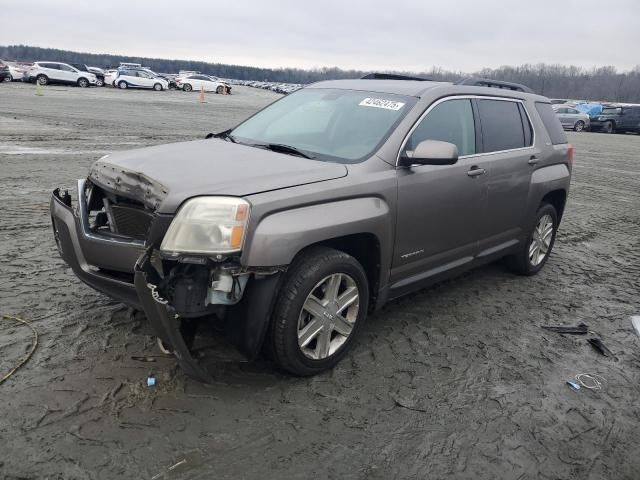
point(365, 248)
point(558, 199)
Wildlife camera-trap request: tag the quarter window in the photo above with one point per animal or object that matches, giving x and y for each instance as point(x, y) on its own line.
point(450, 121)
point(501, 125)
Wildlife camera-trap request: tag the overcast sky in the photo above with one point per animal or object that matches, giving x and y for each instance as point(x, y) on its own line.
point(411, 35)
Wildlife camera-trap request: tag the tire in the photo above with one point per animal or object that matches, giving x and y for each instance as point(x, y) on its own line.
point(157, 87)
point(609, 127)
point(123, 85)
point(219, 89)
point(314, 270)
point(100, 82)
point(8, 78)
point(579, 126)
point(42, 79)
point(524, 262)
point(83, 82)
point(187, 87)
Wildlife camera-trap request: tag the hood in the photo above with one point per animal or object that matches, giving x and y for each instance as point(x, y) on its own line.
point(162, 177)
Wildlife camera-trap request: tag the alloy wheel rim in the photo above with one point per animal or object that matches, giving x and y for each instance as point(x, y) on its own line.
point(541, 240)
point(328, 316)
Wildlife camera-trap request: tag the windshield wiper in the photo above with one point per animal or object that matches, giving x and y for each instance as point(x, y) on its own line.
point(282, 148)
point(226, 135)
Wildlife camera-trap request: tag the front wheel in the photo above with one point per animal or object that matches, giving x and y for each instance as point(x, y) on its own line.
point(187, 87)
point(219, 89)
point(123, 85)
point(42, 79)
point(609, 127)
point(535, 251)
point(157, 87)
point(83, 82)
point(100, 82)
point(319, 311)
point(579, 126)
point(8, 78)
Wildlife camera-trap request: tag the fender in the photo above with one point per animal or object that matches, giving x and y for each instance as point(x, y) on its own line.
point(279, 237)
point(545, 180)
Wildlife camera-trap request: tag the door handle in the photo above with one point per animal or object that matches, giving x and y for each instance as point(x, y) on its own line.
point(533, 160)
point(476, 171)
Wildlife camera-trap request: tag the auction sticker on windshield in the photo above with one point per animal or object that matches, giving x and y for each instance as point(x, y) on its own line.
point(381, 103)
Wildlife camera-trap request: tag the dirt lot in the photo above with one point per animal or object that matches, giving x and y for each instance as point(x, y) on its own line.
point(458, 381)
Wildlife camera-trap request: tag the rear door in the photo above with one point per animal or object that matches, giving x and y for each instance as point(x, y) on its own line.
point(440, 207)
point(509, 157)
point(52, 70)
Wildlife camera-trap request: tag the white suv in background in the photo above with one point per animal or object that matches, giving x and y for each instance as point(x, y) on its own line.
point(56, 72)
point(139, 78)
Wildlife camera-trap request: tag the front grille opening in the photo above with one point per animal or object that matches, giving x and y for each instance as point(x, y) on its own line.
point(113, 215)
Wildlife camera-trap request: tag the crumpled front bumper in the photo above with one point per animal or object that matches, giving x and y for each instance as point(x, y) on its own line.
point(91, 258)
point(124, 271)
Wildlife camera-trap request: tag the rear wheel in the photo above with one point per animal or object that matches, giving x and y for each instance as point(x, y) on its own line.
point(83, 82)
point(42, 79)
point(187, 87)
point(609, 127)
point(535, 251)
point(123, 85)
point(579, 126)
point(157, 87)
point(319, 311)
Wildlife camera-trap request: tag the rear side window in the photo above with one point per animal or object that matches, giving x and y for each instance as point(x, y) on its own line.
point(450, 121)
point(526, 126)
point(501, 125)
point(551, 123)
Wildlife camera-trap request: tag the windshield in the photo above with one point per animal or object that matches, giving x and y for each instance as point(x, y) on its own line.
point(343, 126)
point(611, 111)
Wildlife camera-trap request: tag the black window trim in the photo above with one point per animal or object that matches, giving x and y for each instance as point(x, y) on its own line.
point(476, 119)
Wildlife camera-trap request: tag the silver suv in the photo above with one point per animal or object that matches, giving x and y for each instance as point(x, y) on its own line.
point(288, 229)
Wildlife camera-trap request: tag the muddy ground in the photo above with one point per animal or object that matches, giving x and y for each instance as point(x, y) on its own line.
point(458, 381)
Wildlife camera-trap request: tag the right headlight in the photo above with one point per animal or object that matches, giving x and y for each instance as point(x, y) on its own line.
point(207, 226)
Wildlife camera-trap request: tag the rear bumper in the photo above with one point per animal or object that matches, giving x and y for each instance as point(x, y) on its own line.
point(91, 258)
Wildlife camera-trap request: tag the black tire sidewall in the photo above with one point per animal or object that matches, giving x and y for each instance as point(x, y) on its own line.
point(39, 79)
point(288, 310)
point(545, 209)
point(83, 82)
point(187, 87)
point(579, 126)
point(157, 85)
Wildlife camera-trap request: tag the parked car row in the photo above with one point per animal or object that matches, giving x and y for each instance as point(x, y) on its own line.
point(284, 88)
point(127, 75)
point(605, 117)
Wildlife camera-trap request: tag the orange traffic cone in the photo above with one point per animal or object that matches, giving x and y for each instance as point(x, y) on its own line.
point(202, 100)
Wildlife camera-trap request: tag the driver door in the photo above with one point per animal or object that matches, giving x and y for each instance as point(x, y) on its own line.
point(440, 207)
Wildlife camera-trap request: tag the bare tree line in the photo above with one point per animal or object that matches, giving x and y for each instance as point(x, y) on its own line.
point(554, 81)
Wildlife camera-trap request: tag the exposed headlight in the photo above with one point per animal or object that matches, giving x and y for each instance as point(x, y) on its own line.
point(206, 226)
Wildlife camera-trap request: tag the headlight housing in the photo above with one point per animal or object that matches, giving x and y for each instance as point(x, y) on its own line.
point(207, 226)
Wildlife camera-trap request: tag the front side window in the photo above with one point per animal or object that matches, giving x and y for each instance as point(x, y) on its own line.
point(343, 126)
point(502, 127)
point(450, 121)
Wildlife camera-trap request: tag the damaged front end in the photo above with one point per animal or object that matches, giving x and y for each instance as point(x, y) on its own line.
point(183, 270)
point(178, 296)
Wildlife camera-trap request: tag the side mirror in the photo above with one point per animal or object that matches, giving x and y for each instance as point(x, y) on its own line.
point(431, 152)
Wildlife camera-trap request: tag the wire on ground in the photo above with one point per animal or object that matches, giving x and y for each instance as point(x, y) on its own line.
point(34, 345)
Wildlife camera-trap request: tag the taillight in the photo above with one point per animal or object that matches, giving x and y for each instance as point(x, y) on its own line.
point(570, 154)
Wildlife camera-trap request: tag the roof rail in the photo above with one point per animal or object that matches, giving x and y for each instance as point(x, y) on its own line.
point(392, 76)
point(486, 82)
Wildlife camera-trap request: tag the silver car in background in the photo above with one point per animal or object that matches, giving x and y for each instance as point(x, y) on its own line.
point(572, 119)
